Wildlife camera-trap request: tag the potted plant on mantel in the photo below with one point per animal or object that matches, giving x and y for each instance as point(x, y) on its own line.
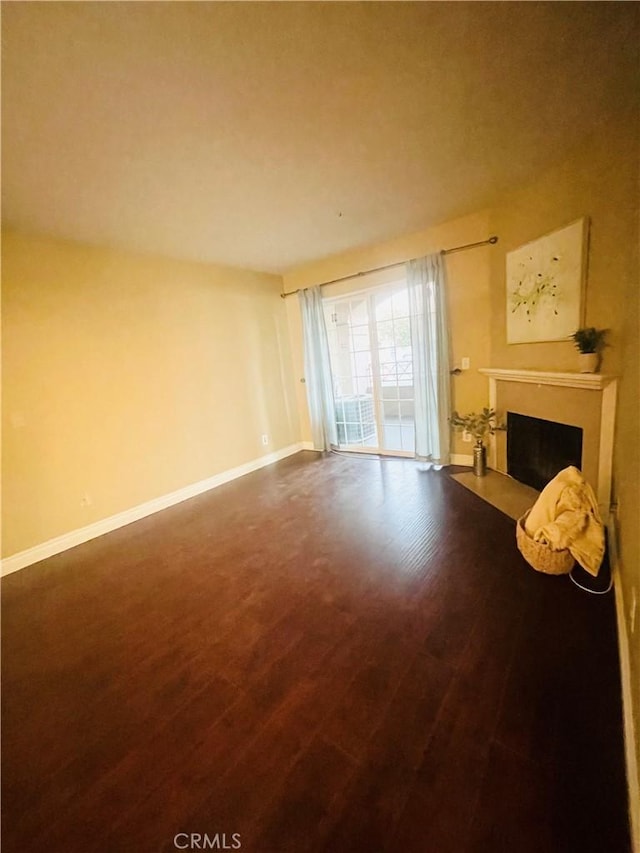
point(479, 426)
point(589, 342)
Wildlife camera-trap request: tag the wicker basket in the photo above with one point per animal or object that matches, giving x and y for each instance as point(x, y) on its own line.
point(541, 557)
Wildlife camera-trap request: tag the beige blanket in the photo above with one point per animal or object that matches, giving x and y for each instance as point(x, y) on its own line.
point(566, 516)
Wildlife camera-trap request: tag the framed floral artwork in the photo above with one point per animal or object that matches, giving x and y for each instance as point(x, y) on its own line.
point(545, 286)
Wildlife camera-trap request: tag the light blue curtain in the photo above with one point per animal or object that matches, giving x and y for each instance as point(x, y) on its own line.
point(317, 370)
point(431, 363)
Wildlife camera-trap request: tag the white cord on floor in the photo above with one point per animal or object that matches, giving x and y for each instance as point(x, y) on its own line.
point(593, 591)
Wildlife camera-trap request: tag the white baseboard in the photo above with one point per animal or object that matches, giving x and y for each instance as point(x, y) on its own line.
point(98, 528)
point(461, 459)
point(630, 746)
point(454, 459)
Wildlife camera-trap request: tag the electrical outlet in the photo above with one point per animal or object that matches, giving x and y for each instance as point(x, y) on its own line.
point(86, 500)
point(466, 363)
point(466, 436)
point(265, 440)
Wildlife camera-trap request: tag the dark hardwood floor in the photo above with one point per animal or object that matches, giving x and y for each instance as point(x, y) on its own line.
point(331, 654)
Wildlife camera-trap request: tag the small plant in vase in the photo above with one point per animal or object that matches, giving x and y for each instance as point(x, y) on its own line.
point(479, 426)
point(589, 342)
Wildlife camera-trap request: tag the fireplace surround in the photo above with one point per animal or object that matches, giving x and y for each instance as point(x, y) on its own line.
point(584, 401)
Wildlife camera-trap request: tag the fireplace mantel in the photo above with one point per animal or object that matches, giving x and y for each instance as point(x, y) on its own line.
point(587, 400)
point(588, 381)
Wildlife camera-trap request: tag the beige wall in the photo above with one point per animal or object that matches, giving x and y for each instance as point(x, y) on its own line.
point(127, 377)
point(627, 472)
point(600, 181)
point(468, 279)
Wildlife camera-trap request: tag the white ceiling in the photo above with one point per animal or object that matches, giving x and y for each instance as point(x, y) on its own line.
point(264, 135)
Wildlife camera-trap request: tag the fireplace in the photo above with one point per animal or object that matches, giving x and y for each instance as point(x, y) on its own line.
point(537, 449)
point(586, 402)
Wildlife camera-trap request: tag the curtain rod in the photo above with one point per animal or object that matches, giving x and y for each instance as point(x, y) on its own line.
point(491, 240)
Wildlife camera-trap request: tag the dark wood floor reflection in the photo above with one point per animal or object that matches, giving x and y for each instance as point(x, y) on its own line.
point(330, 654)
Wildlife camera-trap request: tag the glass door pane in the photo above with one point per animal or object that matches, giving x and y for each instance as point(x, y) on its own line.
point(371, 359)
point(348, 329)
point(393, 331)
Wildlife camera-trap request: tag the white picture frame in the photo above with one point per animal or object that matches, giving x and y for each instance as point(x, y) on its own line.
point(546, 280)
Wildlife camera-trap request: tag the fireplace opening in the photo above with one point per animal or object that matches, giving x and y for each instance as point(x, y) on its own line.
point(537, 449)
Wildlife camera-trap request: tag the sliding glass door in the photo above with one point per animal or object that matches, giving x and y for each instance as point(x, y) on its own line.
point(372, 366)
